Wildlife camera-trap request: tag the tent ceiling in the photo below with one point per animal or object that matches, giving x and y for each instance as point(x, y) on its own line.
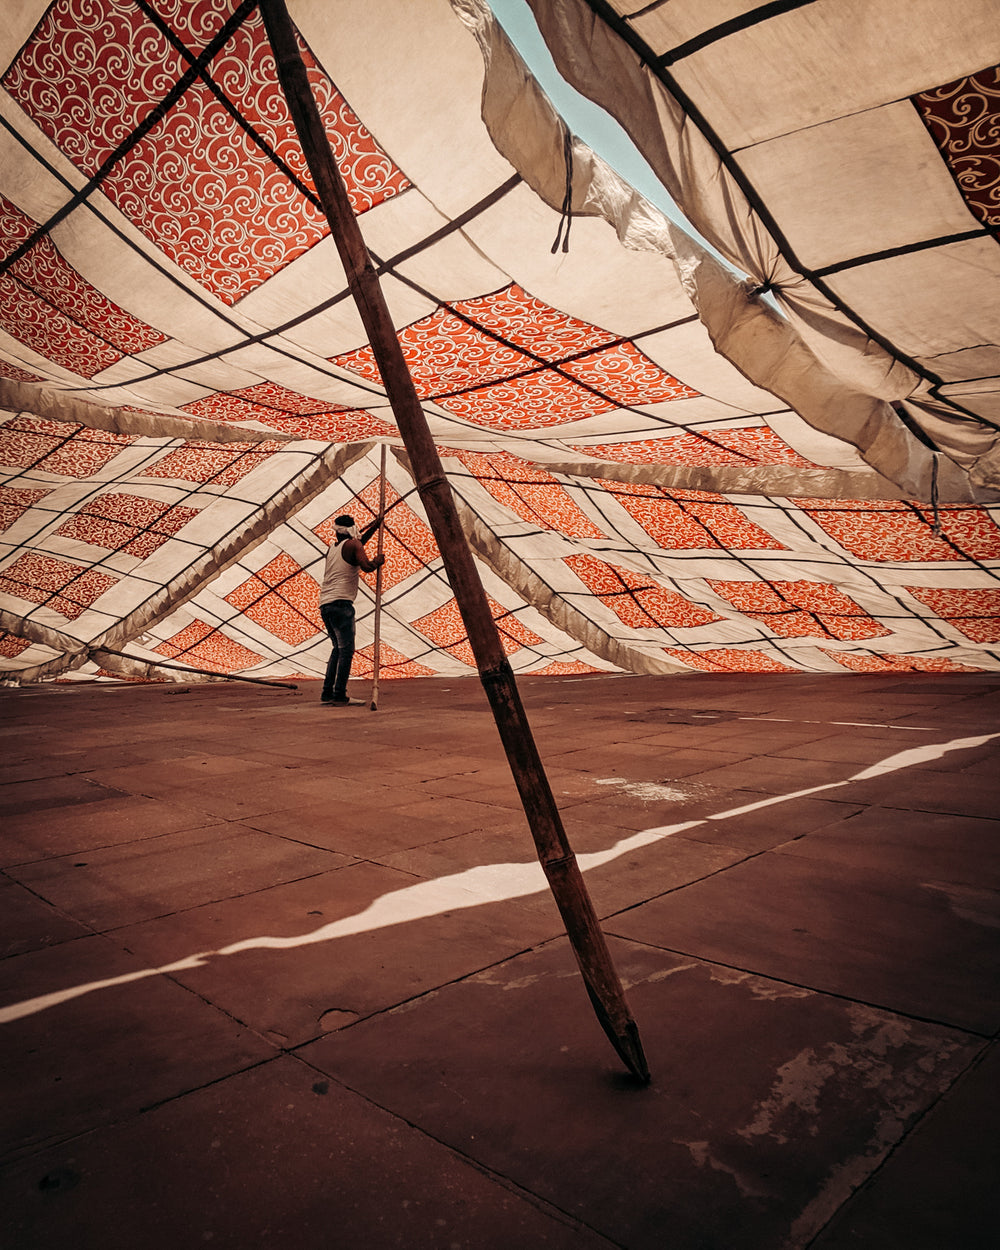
point(656, 471)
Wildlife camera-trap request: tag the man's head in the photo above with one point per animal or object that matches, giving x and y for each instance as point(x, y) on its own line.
point(345, 527)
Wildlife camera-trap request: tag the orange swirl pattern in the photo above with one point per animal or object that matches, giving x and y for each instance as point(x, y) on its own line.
point(69, 450)
point(537, 328)
point(14, 503)
point(446, 629)
point(565, 668)
point(33, 321)
point(272, 405)
point(530, 493)
point(622, 373)
point(478, 341)
point(685, 519)
point(197, 185)
point(392, 664)
point(963, 118)
point(202, 646)
point(408, 543)
point(65, 587)
point(11, 647)
point(728, 660)
point(800, 609)
point(282, 598)
point(637, 601)
point(127, 523)
point(742, 446)
point(885, 530)
point(532, 401)
point(880, 662)
point(47, 276)
point(15, 374)
point(973, 612)
point(213, 464)
point(444, 355)
point(486, 361)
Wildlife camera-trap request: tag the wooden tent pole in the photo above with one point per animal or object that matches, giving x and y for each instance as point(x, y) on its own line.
point(556, 856)
point(377, 644)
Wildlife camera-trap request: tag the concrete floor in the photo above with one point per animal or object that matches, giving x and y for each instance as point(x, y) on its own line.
point(258, 988)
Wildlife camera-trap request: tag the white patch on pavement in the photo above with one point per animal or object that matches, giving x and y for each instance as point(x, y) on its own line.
point(487, 883)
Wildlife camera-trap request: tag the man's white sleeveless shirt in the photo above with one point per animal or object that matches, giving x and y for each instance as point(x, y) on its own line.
point(340, 579)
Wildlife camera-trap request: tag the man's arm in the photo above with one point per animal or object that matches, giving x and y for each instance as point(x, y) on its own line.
point(354, 553)
point(370, 529)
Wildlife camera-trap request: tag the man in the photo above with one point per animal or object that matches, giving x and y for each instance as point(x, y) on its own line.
point(345, 559)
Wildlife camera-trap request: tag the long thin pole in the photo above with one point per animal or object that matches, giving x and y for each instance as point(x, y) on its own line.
point(377, 645)
point(151, 666)
point(556, 856)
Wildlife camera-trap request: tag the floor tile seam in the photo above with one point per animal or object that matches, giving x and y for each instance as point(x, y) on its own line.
point(52, 776)
point(110, 846)
point(420, 846)
point(855, 1197)
point(721, 786)
point(533, 1199)
point(373, 862)
point(715, 872)
point(156, 837)
point(287, 837)
point(52, 946)
point(836, 726)
point(218, 1080)
point(227, 1014)
point(213, 902)
point(407, 1004)
point(119, 793)
point(91, 931)
point(690, 836)
point(29, 808)
point(35, 1149)
point(869, 871)
point(402, 808)
point(965, 1032)
point(778, 849)
point(822, 790)
point(367, 859)
point(884, 805)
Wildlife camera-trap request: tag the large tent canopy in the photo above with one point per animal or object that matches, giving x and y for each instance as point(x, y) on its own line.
point(660, 465)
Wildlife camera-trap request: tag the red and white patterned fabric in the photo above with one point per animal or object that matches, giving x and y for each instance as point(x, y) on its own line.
point(657, 472)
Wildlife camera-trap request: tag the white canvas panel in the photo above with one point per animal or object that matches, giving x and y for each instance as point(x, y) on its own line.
point(931, 302)
point(667, 25)
point(424, 56)
point(828, 60)
point(858, 185)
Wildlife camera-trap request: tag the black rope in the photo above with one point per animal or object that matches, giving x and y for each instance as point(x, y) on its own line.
point(936, 526)
point(566, 213)
point(724, 29)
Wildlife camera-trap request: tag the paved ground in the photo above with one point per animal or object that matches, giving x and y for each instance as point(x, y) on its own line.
point(258, 988)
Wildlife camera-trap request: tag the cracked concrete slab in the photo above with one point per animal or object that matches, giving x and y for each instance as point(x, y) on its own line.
point(770, 1103)
point(332, 982)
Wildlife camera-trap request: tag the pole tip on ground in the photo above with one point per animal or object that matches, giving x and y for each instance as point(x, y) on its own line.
point(624, 1038)
point(629, 1047)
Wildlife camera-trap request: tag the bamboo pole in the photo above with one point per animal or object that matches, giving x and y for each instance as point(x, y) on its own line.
point(377, 645)
point(554, 852)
